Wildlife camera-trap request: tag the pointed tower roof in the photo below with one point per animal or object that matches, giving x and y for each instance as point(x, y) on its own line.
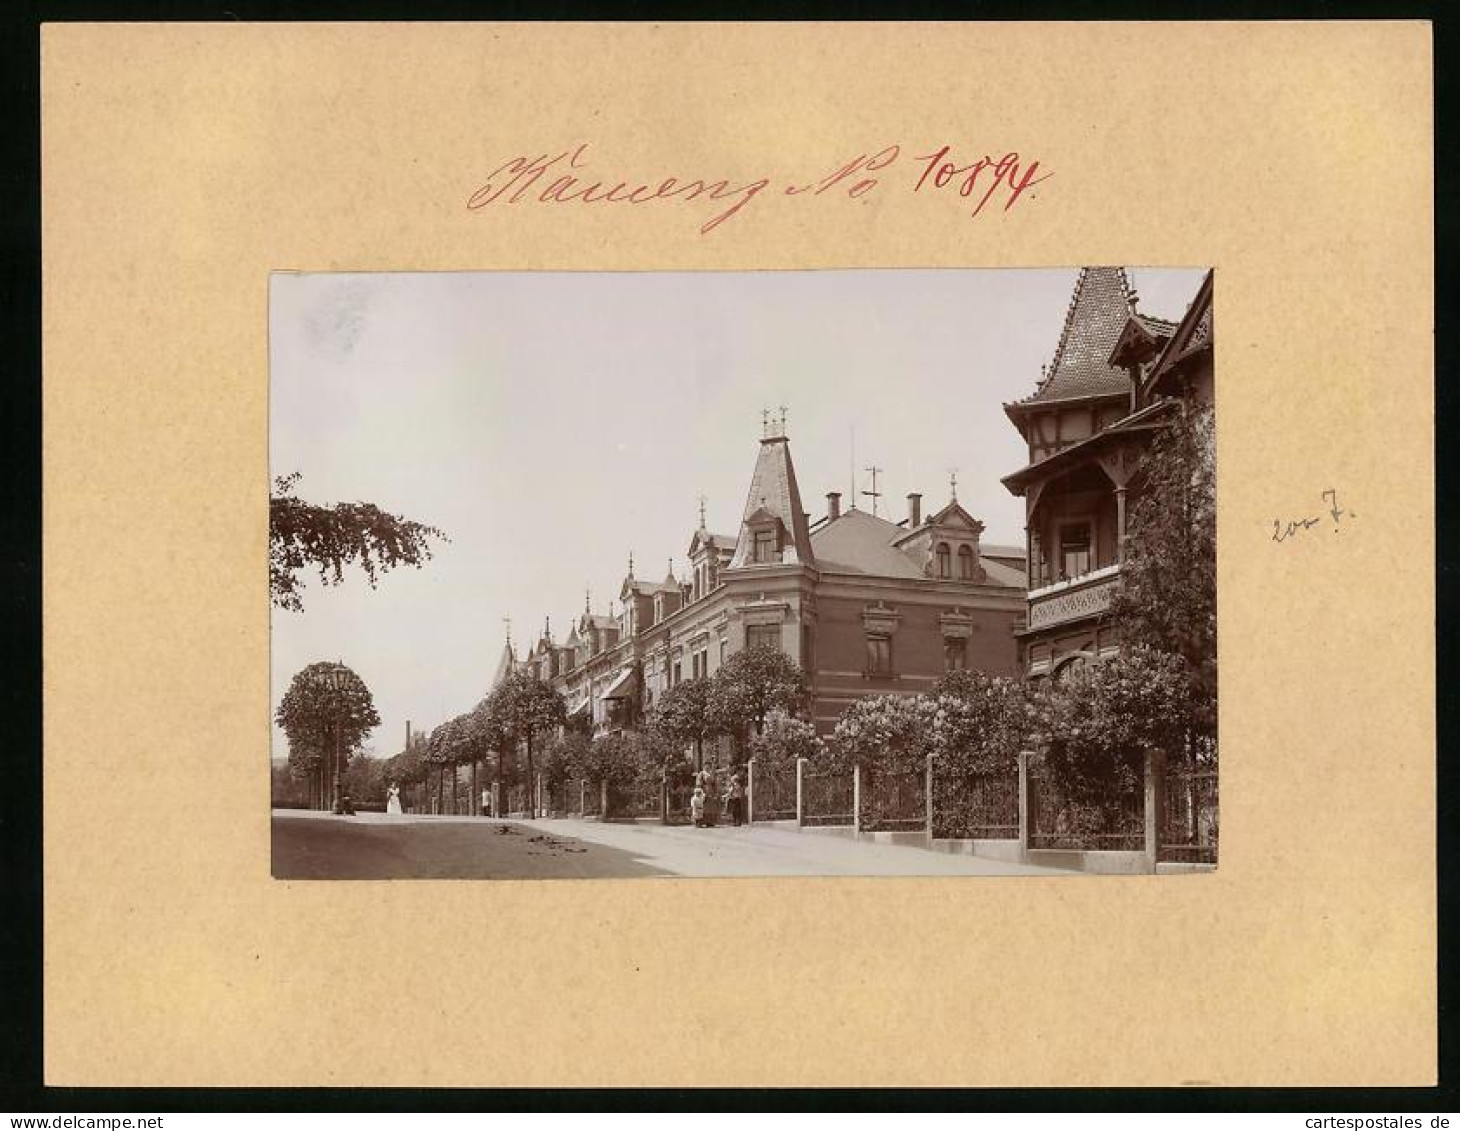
point(505, 663)
point(774, 494)
point(1098, 312)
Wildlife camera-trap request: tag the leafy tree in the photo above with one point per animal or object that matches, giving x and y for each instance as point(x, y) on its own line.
point(1168, 595)
point(684, 714)
point(1103, 718)
point(564, 757)
point(749, 685)
point(322, 722)
point(980, 722)
point(613, 758)
point(521, 708)
point(783, 739)
point(885, 733)
point(302, 534)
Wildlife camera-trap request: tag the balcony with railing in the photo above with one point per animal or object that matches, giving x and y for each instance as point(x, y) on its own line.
point(1072, 598)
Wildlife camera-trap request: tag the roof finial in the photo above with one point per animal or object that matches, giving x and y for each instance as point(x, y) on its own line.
point(508, 622)
point(671, 565)
point(1130, 301)
point(587, 601)
point(765, 423)
point(547, 628)
point(631, 565)
point(702, 512)
point(953, 483)
point(783, 418)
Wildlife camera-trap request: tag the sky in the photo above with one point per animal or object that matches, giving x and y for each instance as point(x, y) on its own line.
point(553, 423)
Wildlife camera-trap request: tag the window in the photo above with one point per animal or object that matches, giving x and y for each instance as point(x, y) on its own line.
point(879, 655)
point(1074, 550)
point(763, 636)
point(945, 560)
point(723, 646)
point(965, 563)
point(765, 546)
point(955, 653)
point(678, 673)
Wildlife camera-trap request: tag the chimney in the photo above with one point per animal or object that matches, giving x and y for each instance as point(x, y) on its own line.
point(914, 510)
point(833, 504)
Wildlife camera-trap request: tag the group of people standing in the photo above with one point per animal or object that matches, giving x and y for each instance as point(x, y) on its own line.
point(704, 804)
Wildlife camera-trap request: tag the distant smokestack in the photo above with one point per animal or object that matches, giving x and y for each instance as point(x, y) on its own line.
point(833, 504)
point(914, 510)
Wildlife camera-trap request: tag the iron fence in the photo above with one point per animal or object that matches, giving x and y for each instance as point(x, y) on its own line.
point(827, 797)
point(894, 800)
point(976, 806)
point(1189, 822)
point(775, 793)
point(565, 799)
point(1114, 823)
point(642, 797)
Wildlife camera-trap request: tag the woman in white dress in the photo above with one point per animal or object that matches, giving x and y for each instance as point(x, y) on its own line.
point(392, 800)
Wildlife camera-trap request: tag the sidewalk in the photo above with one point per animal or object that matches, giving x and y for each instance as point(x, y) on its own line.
point(775, 849)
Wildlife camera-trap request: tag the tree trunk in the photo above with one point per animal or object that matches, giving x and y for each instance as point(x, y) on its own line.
point(531, 780)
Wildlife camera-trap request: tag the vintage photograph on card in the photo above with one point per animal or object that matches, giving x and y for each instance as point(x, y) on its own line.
point(800, 573)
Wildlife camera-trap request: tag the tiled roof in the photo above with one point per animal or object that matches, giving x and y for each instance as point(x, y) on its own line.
point(1157, 327)
point(993, 550)
point(1097, 313)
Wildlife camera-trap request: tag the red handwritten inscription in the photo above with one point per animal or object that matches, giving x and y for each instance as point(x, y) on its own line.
point(562, 178)
point(1003, 173)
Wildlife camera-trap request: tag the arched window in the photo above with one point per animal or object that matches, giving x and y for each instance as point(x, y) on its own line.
point(965, 563)
point(945, 560)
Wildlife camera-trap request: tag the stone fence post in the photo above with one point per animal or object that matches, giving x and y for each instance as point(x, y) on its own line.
point(800, 793)
point(1026, 804)
point(1155, 804)
point(857, 799)
point(603, 799)
point(928, 797)
point(538, 800)
point(750, 791)
point(496, 799)
point(664, 797)
point(582, 797)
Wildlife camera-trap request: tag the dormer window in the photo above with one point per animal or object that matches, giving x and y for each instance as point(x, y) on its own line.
point(658, 607)
point(766, 551)
point(945, 560)
point(965, 564)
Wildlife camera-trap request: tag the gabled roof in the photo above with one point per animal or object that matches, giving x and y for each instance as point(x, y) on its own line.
point(773, 492)
point(951, 515)
point(1098, 312)
point(1192, 336)
point(1140, 338)
point(703, 537)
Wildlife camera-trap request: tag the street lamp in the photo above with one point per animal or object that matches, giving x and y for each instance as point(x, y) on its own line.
point(337, 679)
